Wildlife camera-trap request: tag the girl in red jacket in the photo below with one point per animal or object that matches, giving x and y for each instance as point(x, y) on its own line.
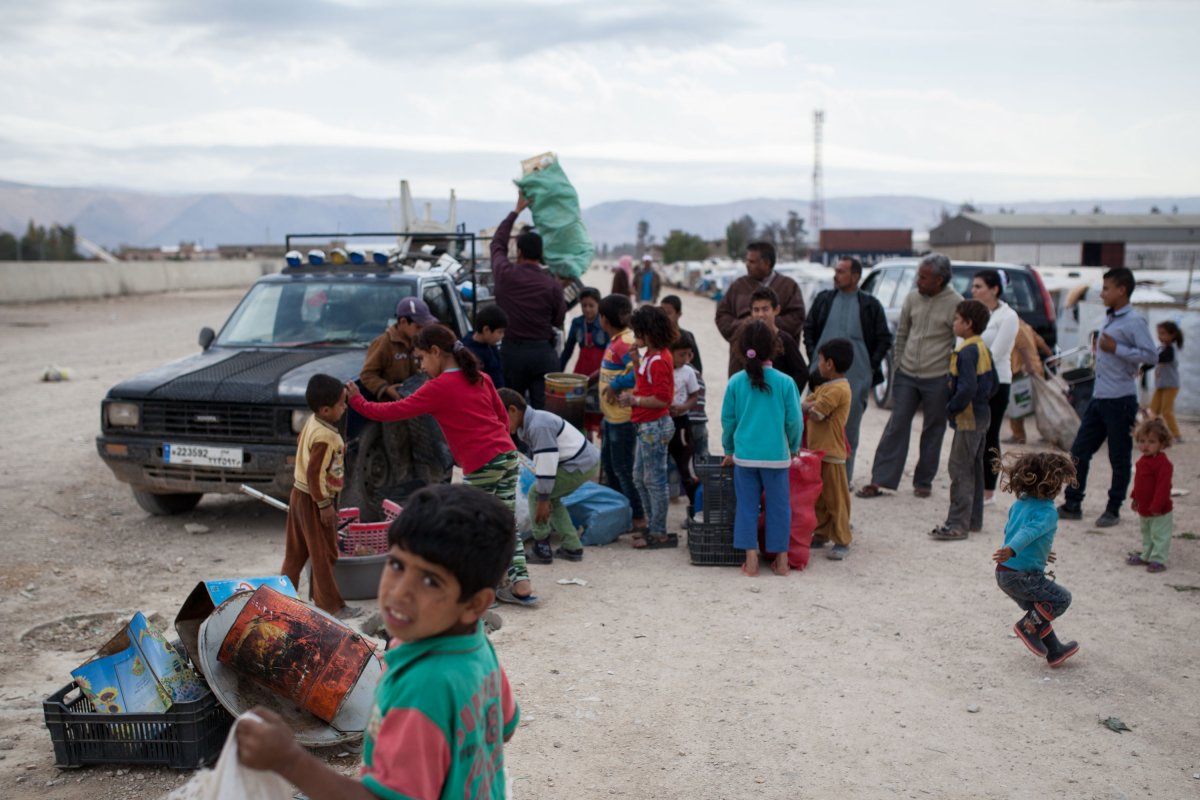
point(1152, 495)
point(474, 421)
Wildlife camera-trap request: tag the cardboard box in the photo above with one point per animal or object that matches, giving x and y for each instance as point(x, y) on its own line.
point(137, 671)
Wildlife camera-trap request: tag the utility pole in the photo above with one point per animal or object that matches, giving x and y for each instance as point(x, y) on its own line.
point(816, 209)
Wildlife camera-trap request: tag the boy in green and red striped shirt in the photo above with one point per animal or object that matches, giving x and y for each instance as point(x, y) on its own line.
point(444, 707)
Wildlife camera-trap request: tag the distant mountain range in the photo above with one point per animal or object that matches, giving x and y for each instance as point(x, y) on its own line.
point(114, 217)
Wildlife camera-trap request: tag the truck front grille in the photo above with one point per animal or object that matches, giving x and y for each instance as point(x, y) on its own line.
point(214, 421)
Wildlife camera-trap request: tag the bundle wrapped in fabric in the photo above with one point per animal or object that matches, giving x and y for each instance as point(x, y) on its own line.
point(1056, 419)
point(567, 248)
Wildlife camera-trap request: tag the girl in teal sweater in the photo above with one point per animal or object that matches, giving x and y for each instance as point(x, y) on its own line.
point(1036, 479)
point(761, 428)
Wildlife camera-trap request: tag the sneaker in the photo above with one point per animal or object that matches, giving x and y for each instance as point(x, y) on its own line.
point(1134, 559)
point(838, 553)
point(818, 542)
point(349, 612)
point(569, 555)
point(1156, 566)
point(1070, 512)
point(1107, 520)
point(541, 553)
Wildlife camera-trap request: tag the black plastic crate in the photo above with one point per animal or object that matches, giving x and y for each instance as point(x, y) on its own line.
point(711, 545)
point(718, 497)
point(187, 736)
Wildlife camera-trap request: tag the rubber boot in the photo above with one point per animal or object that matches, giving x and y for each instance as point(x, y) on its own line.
point(1057, 652)
point(1029, 631)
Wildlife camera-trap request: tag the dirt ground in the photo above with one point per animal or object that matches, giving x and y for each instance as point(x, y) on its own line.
point(891, 674)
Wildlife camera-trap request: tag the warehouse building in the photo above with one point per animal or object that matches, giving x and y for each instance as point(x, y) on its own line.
point(1138, 241)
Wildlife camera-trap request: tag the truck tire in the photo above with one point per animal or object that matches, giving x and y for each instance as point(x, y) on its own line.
point(881, 393)
point(164, 505)
point(369, 473)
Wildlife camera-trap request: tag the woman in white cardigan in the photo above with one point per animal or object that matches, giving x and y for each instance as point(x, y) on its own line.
point(987, 286)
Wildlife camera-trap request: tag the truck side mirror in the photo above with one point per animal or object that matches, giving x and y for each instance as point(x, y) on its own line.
point(206, 337)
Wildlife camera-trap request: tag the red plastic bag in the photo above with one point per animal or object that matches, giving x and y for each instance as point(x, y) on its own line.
point(804, 487)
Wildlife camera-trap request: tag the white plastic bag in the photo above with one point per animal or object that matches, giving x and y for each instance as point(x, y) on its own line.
point(1020, 398)
point(1056, 419)
point(228, 778)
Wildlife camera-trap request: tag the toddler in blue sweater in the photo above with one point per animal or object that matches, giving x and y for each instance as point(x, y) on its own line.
point(1036, 479)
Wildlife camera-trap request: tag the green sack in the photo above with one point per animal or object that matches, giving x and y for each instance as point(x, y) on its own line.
point(567, 248)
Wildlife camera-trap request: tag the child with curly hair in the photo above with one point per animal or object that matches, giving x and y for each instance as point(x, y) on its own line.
point(1036, 479)
point(1152, 495)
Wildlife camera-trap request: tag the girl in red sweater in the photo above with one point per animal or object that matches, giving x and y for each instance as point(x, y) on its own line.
point(651, 402)
point(1152, 495)
point(474, 421)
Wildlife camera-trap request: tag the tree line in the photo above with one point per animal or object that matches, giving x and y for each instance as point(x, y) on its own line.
point(788, 238)
point(39, 243)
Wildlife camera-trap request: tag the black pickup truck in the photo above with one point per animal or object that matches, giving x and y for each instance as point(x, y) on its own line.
point(229, 415)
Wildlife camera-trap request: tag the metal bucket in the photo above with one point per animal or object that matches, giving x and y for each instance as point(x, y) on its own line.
point(566, 395)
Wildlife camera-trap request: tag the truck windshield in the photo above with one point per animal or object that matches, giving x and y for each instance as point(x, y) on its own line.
point(313, 312)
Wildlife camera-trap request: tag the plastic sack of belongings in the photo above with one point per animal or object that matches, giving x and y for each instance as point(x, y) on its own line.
point(554, 203)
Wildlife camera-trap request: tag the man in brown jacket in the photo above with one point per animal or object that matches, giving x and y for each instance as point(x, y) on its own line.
point(734, 308)
point(389, 360)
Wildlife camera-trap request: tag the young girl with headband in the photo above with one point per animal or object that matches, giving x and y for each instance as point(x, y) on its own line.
point(761, 428)
point(467, 408)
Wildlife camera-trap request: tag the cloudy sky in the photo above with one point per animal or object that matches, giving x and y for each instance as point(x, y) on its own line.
point(682, 102)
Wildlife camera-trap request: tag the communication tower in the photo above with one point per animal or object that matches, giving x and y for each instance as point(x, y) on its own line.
point(816, 209)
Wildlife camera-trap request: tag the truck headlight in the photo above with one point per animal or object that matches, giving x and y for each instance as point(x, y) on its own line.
point(122, 415)
point(299, 417)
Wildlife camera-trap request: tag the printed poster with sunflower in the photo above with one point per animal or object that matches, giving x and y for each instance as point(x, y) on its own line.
point(137, 671)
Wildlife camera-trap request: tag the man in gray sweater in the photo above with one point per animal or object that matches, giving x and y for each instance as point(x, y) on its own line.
point(924, 341)
point(563, 460)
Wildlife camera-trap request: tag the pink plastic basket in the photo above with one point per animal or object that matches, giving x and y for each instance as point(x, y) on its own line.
point(364, 539)
point(391, 510)
point(346, 516)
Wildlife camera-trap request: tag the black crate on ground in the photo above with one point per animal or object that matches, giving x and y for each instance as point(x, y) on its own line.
point(718, 498)
point(186, 736)
point(711, 545)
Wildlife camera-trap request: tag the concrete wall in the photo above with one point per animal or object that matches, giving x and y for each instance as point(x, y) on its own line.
point(35, 282)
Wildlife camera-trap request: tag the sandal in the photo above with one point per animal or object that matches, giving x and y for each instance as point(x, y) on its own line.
point(748, 573)
point(948, 534)
point(505, 595)
point(870, 490)
point(652, 542)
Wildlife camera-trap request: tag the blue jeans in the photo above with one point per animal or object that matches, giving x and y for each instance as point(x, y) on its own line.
point(618, 441)
point(1105, 419)
point(749, 483)
point(650, 471)
point(1027, 588)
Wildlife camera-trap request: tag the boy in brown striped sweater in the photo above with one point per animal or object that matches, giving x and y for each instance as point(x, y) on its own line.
point(312, 508)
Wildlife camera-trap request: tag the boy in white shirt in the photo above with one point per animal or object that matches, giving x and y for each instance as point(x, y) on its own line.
point(687, 394)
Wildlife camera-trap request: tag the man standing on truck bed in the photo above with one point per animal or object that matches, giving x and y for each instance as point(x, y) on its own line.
point(533, 300)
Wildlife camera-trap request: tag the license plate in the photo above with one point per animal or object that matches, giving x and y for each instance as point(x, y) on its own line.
point(201, 456)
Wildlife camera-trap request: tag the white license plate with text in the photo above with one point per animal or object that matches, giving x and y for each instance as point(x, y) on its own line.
point(202, 456)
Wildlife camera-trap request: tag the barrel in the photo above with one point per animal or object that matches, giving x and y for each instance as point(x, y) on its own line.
point(566, 395)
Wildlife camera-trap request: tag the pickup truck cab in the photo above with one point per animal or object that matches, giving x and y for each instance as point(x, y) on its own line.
point(229, 415)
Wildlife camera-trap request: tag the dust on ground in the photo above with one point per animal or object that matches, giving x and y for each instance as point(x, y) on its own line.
point(891, 674)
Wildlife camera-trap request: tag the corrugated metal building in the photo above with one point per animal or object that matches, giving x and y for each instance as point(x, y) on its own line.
point(1138, 241)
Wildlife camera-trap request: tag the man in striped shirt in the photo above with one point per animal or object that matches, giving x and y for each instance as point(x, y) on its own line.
point(563, 460)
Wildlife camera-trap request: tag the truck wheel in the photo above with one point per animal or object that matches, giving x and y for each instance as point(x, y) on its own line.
point(368, 474)
point(882, 392)
point(164, 505)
